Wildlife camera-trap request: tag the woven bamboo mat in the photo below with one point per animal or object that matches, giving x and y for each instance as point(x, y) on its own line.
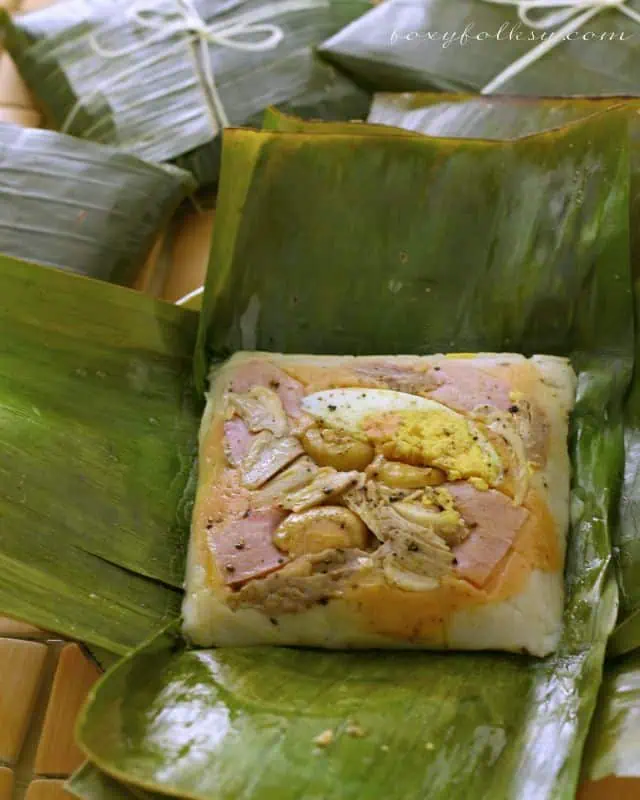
point(43, 680)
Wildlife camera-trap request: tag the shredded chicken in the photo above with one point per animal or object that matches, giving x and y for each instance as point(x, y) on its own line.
point(413, 555)
point(504, 425)
point(294, 477)
point(266, 457)
point(309, 581)
point(326, 484)
point(261, 409)
point(449, 526)
point(533, 426)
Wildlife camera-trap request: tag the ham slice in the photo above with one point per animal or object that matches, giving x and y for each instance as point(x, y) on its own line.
point(401, 378)
point(494, 522)
point(464, 386)
point(264, 373)
point(237, 440)
point(244, 548)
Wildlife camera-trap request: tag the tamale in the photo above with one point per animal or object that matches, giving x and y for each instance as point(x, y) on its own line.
point(467, 46)
point(423, 502)
point(80, 206)
point(162, 79)
point(535, 278)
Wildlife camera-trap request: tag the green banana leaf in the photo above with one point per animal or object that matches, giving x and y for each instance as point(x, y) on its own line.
point(276, 120)
point(81, 206)
point(100, 75)
point(612, 753)
point(98, 430)
point(90, 783)
point(545, 259)
point(462, 46)
point(626, 637)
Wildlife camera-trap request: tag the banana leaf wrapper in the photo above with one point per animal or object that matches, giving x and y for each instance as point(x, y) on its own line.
point(98, 431)
point(626, 636)
point(462, 46)
point(101, 76)
point(612, 760)
point(538, 271)
point(80, 206)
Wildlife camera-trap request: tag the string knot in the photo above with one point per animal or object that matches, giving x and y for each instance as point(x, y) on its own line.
point(561, 17)
point(249, 31)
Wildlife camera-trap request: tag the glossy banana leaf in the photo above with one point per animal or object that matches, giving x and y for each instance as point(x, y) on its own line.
point(98, 433)
point(80, 206)
point(90, 783)
point(102, 75)
point(469, 116)
point(612, 754)
point(462, 46)
point(626, 637)
point(276, 120)
point(546, 257)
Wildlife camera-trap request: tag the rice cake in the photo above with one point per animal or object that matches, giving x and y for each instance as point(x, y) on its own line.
point(382, 502)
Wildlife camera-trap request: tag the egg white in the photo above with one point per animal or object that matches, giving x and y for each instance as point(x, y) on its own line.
point(345, 409)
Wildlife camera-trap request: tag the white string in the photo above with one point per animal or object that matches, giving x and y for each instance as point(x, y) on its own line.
point(184, 20)
point(570, 15)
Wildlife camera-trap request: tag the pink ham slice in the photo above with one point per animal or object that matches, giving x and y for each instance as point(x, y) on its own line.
point(464, 386)
point(401, 378)
point(264, 373)
point(494, 522)
point(237, 440)
point(244, 548)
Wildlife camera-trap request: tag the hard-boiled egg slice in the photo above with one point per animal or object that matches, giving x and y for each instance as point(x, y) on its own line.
point(345, 409)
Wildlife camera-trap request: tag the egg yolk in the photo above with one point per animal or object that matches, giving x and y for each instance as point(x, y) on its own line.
point(434, 439)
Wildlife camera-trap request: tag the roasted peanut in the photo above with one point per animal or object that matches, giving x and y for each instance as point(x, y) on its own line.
point(330, 448)
point(318, 529)
point(405, 476)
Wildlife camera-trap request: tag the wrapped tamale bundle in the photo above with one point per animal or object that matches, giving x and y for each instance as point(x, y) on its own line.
point(544, 271)
point(80, 206)
point(493, 46)
point(162, 79)
point(382, 502)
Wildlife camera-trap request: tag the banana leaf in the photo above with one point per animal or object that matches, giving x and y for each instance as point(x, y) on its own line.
point(97, 439)
point(90, 783)
point(462, 46)
point(99, 74)
point(612, 756)
point(626, 637)
point(545, 259)
point(80, 206)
